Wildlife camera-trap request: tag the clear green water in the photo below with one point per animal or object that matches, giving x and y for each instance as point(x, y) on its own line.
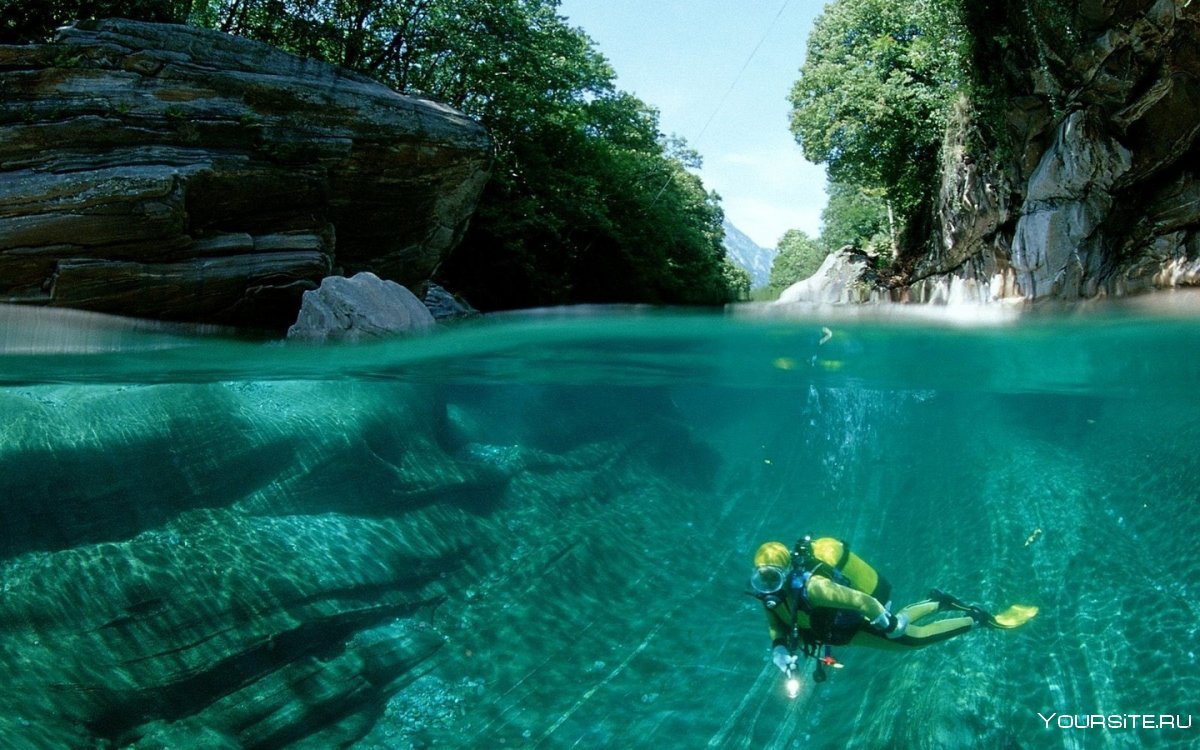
point(536, 532)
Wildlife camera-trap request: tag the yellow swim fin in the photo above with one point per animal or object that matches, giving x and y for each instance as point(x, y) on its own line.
point(1014, 617)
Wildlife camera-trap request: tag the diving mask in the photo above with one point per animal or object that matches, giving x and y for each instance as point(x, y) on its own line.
point(767, 579)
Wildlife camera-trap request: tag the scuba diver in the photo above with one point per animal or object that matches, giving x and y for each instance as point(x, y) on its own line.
point(820, 594)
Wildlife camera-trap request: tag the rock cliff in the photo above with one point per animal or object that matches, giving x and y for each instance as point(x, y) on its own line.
point(176, 173)
point(1094, 189)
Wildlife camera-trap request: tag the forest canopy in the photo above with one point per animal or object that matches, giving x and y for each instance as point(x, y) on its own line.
point(872, 104)
point(588, 201)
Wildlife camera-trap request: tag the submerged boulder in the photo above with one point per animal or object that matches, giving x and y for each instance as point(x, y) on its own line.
point(288, 563)
point(170, 172)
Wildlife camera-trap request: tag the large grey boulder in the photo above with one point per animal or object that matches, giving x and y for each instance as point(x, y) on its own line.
point(170, 172)
point(362, 307)
point(847, 276)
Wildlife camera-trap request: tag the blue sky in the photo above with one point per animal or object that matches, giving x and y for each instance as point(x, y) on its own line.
point(684, 57)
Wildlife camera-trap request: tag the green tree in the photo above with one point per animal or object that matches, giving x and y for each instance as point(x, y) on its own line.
point(874, 93)
point(799, 257)
point(737, 279)
point(24, 22)
point(590, 206)
point(855, 216)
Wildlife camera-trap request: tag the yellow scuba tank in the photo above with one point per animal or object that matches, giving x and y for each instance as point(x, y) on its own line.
point(837, 555)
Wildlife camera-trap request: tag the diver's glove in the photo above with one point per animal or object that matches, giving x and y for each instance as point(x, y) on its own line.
point(784, 659)
point(893, 626)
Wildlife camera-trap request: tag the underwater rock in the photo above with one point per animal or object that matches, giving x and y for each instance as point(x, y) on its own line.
point(362, 307)
point(274, 564)
point(217, 625)
point(166, 171)
point(214, 571)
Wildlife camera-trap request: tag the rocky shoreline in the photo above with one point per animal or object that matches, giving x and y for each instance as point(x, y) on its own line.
point(171, 173)
point(174, 173)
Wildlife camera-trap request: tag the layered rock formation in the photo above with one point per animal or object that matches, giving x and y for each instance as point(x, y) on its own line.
point(1096, 190)
point(176, 173)
point(265, 564)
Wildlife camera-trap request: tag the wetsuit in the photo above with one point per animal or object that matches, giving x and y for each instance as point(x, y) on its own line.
point(842, 615)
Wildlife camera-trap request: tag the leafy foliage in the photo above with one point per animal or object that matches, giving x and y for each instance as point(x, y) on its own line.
point(588, 202)
point(855, 216)
point(799, 257)
point(1000, 55)
point(24, 22)
point(738, 280)
point(873, 95)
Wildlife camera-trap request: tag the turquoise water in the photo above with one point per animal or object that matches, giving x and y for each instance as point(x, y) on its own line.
point(536, 531)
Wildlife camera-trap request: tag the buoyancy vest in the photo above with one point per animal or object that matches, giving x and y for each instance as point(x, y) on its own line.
point(827, 625)
point(832, 559)
point(829, 554)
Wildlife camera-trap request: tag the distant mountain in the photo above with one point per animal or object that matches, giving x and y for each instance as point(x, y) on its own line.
point(745, 254)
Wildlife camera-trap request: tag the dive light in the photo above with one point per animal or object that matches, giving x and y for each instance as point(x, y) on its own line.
point(793, 684)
